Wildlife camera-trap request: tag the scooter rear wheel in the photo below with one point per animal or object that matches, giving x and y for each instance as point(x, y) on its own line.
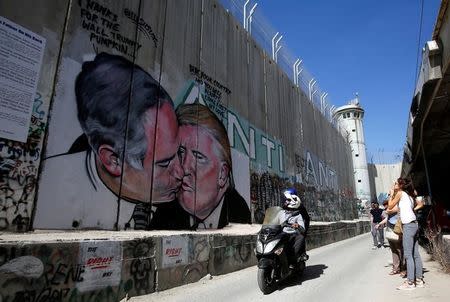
point(266, 280)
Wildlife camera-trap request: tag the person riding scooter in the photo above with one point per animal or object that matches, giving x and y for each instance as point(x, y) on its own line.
point(295, 221)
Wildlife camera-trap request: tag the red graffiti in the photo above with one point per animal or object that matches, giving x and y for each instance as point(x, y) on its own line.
point(173, 252)
point(99, 261)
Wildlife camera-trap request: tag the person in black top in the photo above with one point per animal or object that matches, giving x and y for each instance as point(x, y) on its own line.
point(375, 218)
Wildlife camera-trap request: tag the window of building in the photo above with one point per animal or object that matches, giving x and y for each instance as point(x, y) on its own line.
point(353, 130)
point(359, 180)
point(357, 155)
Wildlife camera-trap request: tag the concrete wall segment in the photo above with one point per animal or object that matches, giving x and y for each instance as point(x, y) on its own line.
point(237, 64)
point(113, 268)
point(20, 162)
point(182, 45)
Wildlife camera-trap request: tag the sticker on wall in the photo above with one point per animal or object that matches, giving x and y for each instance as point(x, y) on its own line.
point(102, 264)
point(175, 251)
point(21, 53)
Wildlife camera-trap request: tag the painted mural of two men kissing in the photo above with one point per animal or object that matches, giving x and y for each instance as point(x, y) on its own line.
point(173, 170)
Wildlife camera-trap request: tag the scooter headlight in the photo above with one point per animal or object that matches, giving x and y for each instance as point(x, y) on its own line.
point(270, 246)
point(259, 247)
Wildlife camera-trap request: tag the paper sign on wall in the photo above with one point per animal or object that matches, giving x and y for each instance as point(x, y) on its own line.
point(102, 261)
point(21, 53)
point(175, 251)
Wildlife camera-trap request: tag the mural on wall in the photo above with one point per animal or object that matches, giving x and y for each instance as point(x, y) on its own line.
point(173, 171)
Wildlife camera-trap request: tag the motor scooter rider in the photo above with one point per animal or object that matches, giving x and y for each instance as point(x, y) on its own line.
point(295, 221)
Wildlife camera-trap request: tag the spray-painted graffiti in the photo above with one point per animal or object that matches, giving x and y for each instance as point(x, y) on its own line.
point(141, 266)
point(317, 185)
point(104, 27)
point(18, 173)
point(77, 272)
point(232, 251)
point(318, 174)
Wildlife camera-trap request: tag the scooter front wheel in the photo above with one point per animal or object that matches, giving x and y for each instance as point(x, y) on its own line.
point(266, 280)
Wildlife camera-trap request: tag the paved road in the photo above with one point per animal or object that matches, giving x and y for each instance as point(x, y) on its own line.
point(348, 270)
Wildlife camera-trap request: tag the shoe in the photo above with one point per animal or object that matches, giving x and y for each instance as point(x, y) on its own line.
point(420, 283)
point(403, 274)
point(407, 285)
point(374, 247)
point(303, 257)
point(291, 266)
point(394, 272)
point(379, 245)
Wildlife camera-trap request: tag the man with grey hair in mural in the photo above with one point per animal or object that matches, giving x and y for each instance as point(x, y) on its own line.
point(131, 163)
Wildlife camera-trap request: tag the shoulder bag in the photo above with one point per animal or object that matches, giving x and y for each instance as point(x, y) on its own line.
point(398, 228)
point(390, 235)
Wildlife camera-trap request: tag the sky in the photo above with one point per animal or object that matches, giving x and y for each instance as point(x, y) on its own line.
point(363, 46)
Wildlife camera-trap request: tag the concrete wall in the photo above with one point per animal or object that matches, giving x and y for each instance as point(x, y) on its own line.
point(382, 178)
point(104, 166)
point(107, 267)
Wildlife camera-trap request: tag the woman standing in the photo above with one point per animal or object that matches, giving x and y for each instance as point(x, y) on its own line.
point(402, 194)
point(394, 240)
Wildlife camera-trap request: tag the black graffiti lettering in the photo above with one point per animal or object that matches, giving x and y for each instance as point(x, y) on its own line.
point(125, 40)
point(214, 86)
point(59, 274)
point(110, 25)
point(142, 26)
point(98, 8)
point(75, 274)
point(109, 43)
point(107, 274)
point(93, 28)
point(93, 18)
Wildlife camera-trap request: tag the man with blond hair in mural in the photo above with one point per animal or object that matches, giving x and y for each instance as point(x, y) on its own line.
point(207, 191)
point(126, 163)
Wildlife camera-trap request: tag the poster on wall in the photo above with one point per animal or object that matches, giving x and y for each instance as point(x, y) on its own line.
point(102, 262)
point(21, 53)
point(175, 251)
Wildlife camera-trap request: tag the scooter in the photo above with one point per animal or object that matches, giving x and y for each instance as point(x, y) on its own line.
point(271, 253)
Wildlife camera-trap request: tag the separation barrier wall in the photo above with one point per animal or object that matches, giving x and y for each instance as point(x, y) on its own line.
point(108, 266)
point(154, 115)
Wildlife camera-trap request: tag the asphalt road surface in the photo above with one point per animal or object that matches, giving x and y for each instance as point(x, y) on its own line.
point(348, 270)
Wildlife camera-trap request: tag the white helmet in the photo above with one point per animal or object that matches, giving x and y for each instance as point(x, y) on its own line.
point(292, 200)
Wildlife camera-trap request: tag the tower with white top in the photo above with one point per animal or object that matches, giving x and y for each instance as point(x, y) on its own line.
point(349, 120)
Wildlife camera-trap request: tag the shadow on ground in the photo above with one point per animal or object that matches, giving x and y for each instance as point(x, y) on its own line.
point(311, 272)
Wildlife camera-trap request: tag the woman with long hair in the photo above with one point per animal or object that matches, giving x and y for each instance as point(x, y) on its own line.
point(402, 194)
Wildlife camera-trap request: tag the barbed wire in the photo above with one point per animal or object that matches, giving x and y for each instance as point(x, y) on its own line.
point(264, 34)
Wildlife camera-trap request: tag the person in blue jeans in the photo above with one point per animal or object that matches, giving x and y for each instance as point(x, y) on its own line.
point(402, 194)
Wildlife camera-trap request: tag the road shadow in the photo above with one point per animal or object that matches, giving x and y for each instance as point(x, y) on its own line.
point(311, 272)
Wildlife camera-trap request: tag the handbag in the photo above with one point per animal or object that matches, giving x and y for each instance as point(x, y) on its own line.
point(398, 228)
point(390, 235)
